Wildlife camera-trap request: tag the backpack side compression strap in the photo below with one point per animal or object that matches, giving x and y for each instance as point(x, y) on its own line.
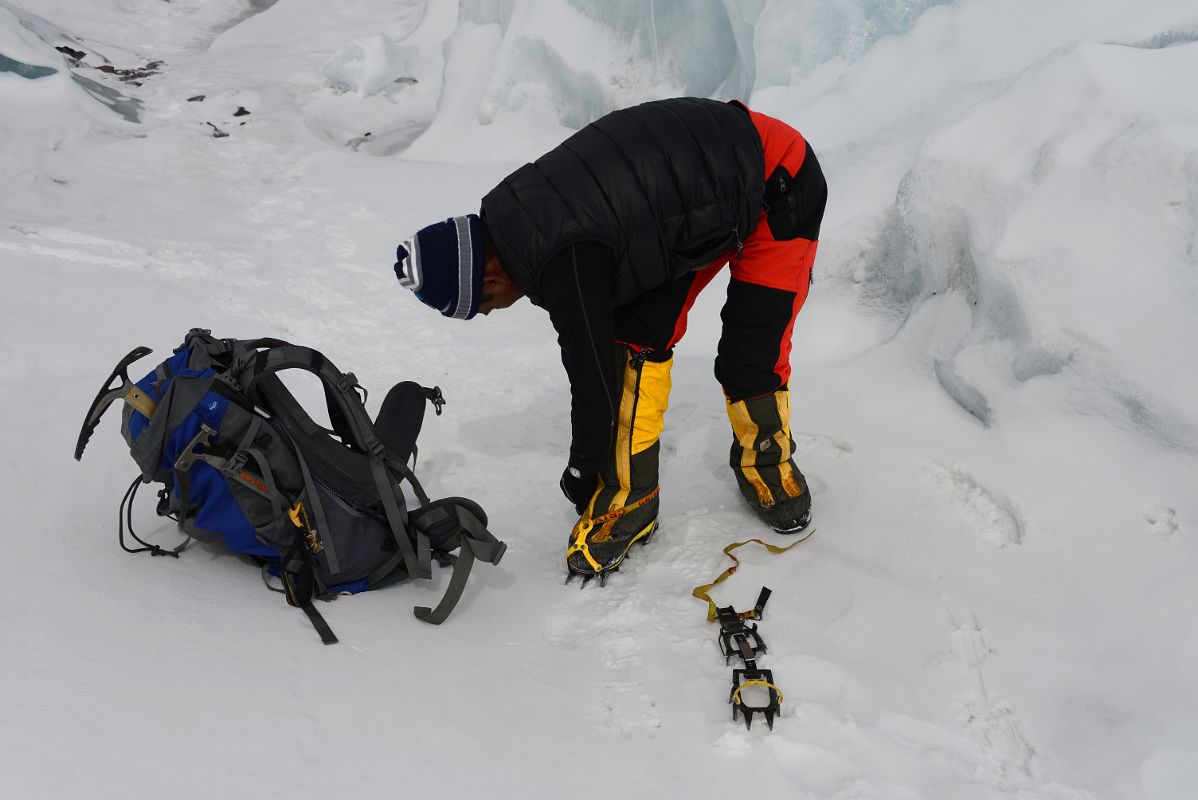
point(456, 518)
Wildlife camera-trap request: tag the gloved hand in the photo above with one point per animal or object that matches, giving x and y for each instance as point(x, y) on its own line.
point(578, 487)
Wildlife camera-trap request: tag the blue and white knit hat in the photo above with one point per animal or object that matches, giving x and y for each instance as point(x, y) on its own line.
point(443, 264)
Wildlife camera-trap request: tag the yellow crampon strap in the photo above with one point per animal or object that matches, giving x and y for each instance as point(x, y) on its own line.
point(767, 684)
point(585, 526)
point(701, 591)
point(579, 545)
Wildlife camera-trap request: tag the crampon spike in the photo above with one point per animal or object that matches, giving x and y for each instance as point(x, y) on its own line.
point(748, 714)
point(571, 574)
point(587, 577)
point(753, 677)
point(607, 573)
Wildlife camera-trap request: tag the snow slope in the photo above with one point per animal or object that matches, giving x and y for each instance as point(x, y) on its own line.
point(992, 395)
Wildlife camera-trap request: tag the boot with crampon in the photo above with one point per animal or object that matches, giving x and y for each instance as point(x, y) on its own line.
point(623, 510)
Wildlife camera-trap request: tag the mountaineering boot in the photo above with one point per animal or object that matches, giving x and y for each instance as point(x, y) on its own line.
point(623, 509)
point(761, 460)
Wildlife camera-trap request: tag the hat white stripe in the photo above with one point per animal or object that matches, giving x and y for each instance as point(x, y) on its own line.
point(465, 268)
point(413, 277)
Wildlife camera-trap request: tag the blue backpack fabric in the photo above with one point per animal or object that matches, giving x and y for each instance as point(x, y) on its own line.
point(243, 466)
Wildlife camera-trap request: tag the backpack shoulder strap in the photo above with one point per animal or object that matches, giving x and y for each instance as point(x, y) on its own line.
point(253, 368)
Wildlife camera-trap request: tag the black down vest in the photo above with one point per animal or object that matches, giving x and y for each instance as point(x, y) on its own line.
point(666, 185)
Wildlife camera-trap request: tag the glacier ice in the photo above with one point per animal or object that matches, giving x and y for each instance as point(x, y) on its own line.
point(1016, 238)
point(622, 52)
point(28, 71)
point(793, 37)
point(368, 65)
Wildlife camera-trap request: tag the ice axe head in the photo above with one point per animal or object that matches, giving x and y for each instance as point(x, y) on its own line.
point(126, 391)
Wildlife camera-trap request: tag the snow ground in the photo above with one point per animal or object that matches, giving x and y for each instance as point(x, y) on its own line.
point(993, 402)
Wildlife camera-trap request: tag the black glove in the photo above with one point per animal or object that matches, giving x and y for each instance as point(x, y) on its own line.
point(578, 487)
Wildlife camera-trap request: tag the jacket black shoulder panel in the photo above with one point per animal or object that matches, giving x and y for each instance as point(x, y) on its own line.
point(666, 185)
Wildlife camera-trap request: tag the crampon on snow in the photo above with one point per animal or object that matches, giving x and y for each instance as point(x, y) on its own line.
point(581, 561)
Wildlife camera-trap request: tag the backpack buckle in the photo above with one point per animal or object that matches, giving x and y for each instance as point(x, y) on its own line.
point(436, 398)
point(235, 463)
point(349, 383)
point(299, 518)
point(164, 502)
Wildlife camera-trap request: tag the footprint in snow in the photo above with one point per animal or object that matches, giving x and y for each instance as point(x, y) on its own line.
point(824, 445)
point(609, 620)
point(994, 517)
point(1161, 520)
point(627, 715)
point(994, 724)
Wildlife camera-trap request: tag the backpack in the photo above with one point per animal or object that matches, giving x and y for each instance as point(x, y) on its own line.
point(243, 465)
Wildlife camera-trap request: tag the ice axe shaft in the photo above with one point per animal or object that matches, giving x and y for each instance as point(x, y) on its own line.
point(127, 391)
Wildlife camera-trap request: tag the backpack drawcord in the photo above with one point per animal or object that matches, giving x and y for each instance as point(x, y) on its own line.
point(125, 519)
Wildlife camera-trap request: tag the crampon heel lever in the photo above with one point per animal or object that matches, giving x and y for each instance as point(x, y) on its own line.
point(738, 640)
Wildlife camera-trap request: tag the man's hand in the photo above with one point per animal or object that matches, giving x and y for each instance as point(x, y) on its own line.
point(578, 487)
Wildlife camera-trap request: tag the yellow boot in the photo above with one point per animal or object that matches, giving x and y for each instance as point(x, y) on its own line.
point(761, 460)
point(623, 509)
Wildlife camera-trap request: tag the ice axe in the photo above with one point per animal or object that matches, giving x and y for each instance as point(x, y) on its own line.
point(127, 391)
